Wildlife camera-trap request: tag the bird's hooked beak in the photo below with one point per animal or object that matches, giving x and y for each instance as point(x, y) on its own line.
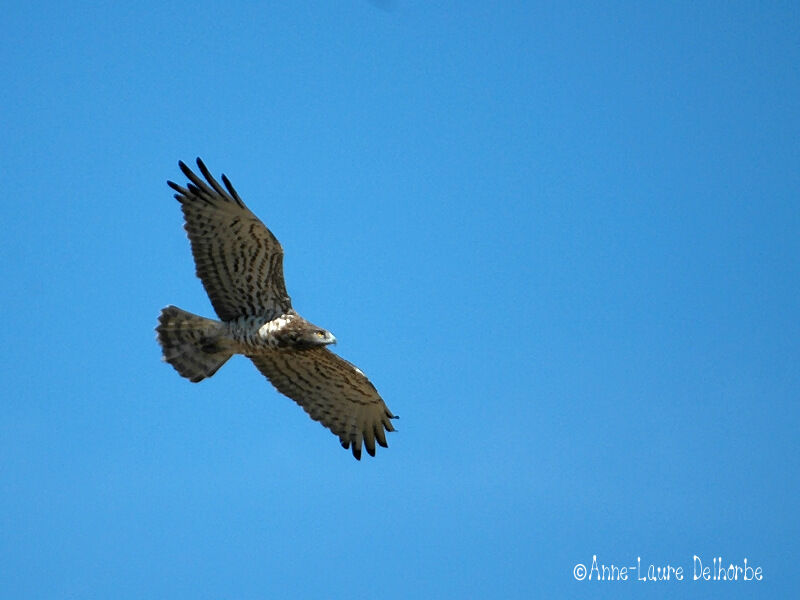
point(329, 338)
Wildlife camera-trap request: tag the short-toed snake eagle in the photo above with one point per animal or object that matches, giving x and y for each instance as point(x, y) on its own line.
point(240, 264)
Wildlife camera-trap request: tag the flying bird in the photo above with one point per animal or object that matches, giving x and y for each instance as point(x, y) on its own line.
point(240, 263)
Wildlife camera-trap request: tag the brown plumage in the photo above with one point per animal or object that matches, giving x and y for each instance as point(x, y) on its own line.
point(240, 264)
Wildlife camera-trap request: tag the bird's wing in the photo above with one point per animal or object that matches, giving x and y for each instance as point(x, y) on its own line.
point(333, 392)
point(238, 259)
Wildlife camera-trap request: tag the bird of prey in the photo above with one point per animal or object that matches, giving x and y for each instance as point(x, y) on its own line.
point(240, 264)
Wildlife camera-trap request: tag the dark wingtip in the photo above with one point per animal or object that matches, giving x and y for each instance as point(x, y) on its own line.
point(186, 170)
point(231, 190)
point(203, 169)
point(371, 451)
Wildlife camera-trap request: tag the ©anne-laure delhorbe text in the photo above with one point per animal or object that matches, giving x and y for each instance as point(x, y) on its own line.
point(719, 571)
point(714, 569)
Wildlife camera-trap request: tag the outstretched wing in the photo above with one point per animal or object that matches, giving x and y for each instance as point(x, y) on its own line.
point(238, 259)
point(333, 392)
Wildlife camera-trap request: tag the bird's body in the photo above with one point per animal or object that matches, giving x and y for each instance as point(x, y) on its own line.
point(240, 264)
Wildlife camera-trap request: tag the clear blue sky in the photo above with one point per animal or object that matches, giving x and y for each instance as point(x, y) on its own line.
point(561, 238)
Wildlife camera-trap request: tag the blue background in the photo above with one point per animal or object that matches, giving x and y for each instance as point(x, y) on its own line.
point(561, 238)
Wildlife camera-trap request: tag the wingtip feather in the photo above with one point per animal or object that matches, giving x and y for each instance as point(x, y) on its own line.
point(203, 169)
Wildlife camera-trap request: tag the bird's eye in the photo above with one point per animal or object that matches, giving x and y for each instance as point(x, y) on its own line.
point(319, 333)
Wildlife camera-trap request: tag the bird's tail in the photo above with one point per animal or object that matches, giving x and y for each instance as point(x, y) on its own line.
point(193, 345)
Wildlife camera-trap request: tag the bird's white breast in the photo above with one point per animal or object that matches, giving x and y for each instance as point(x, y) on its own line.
point(270, 328)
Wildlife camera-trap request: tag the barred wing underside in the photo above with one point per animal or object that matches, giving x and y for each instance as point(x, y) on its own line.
point(333, 392)
point(238, 259)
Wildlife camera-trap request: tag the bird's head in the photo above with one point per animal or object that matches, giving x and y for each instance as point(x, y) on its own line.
point(319, 337)
point(295, 332)
point(311, 336)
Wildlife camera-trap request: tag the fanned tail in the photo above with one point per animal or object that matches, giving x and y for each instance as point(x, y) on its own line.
point(191, 344)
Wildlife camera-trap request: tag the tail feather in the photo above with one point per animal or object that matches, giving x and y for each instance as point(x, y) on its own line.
point(191, 344)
